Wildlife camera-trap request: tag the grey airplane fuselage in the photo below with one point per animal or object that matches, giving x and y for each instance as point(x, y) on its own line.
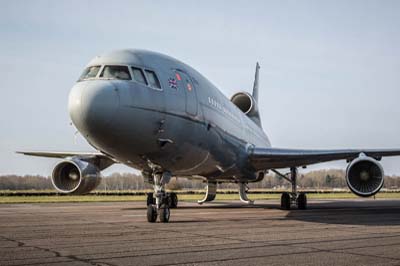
point(187, 127)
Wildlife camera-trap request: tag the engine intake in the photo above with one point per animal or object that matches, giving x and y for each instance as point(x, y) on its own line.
point(364, 176)
point(75, 177)
point(245, 102)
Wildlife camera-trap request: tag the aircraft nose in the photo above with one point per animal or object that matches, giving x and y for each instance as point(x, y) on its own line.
point(92, 105)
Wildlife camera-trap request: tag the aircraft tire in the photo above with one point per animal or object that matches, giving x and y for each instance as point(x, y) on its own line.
point(150, 199)
point(302, 201)
point(173, 200)
point(164, 213)
point(285, 201)
point(151, 213)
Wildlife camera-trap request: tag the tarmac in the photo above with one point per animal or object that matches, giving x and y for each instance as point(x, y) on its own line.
point(330, 232)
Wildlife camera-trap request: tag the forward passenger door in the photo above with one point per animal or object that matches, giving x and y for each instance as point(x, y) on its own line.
point(185, 83)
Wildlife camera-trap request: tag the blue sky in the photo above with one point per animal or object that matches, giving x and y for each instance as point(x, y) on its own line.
point(329, 69)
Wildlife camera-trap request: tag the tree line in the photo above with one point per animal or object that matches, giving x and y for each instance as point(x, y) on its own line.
point(320, 179)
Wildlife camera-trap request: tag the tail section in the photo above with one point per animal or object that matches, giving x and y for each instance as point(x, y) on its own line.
point(256, 116)
point(255, 85)
point(247, 103)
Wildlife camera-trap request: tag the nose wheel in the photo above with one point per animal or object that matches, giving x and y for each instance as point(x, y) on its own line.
point(151, 213)
point(159, 202)
point(172, 199)
point(292, 198)
point(150, 199)
point(164, 214)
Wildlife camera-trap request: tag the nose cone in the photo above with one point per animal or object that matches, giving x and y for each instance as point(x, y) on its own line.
point(92, 105)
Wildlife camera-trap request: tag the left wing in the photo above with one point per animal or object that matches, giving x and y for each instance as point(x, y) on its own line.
point(100, 159)
point(271, 158)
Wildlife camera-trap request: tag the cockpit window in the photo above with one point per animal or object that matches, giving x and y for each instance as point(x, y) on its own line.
point(153, 80)
point(90, 72)
point(138, 75)
point(116, 72)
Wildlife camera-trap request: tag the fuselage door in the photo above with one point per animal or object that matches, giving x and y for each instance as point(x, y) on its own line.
point(186, 84)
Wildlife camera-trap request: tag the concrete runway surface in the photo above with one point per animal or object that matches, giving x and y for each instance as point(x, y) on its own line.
point(334, 232)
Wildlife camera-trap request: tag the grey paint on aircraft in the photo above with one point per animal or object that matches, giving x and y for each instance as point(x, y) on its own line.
point(185, 127)
point(189, 130)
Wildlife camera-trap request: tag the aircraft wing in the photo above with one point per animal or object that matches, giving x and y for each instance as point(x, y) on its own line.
point(271, 158)
point(100, 159)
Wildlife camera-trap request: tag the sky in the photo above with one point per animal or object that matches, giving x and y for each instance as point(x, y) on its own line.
point(329, 77)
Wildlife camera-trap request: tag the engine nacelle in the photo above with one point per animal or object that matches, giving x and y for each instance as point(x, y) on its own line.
point(364, 176)
point(246, 103)
point(75, 177)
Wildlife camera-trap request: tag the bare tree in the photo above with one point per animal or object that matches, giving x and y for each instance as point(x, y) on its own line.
point(320, 179)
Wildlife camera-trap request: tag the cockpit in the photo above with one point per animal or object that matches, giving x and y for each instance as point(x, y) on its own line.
point(90, 72)
point(121, 72)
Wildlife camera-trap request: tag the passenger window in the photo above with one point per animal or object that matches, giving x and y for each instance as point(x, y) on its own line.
point(116, 72)
point(138, 75)
point(153, 80)
point(90, 72)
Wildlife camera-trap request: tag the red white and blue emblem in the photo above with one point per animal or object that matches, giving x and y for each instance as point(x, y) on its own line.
point(172, 83)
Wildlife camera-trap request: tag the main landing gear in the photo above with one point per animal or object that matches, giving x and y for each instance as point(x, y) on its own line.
point(292, 198)
point(162, 202)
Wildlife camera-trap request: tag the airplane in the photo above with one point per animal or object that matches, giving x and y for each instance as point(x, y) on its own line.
point(156, 114)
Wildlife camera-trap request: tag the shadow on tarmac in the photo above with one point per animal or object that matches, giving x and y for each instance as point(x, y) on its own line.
point(369, 213)
point(345, 212)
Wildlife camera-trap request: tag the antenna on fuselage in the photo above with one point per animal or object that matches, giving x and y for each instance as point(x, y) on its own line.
point(255, 85)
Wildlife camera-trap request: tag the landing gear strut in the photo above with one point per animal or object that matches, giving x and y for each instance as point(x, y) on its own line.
point(160, 205)
point(292, 198)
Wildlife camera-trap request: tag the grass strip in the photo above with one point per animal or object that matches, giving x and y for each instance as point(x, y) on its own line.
point(183, 197)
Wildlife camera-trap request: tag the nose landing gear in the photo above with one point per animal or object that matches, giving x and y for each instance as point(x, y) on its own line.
point(160, 205)
point(151, 213)
point(172, 199)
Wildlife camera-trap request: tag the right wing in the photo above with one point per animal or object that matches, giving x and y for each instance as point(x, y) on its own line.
point(271, 158)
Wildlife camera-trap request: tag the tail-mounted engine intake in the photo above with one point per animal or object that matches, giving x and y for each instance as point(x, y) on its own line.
point(75, 176)
point(247, 104)
point(364, 176)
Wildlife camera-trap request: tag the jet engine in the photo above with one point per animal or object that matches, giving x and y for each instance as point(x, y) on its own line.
point(364, 176)
point(246, 103)
point(75, 176)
